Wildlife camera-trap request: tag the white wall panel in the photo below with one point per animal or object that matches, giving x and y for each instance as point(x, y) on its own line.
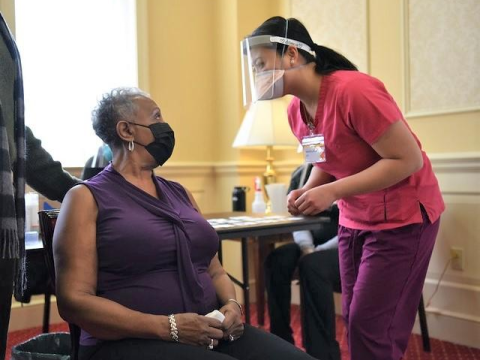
point(337, 24)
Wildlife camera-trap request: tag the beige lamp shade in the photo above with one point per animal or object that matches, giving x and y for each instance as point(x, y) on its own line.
point(266, 124)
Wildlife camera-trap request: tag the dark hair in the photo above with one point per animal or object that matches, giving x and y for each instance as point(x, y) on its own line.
point(114, 106)
point(326, 59)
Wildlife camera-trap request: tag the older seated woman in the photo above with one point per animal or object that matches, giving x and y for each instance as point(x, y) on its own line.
point(136, 262)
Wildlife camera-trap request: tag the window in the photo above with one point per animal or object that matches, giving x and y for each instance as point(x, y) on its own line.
point(73, 52)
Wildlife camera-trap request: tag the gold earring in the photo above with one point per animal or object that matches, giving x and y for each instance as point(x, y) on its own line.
point(131, 146)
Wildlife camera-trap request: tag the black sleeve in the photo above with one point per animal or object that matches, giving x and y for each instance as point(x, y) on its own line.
point(44, 174)
point(295, 179)
point(329, 230)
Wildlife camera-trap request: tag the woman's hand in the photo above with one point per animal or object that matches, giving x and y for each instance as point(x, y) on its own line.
point(232, 324)
point(194, 329)
point(292, 198)
point(315, 200)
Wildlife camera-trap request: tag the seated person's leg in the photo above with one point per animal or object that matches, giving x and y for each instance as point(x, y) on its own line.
point(320, 277)
point(254, 344)
point(144, 349)
point(258, 344)
point(279, 268)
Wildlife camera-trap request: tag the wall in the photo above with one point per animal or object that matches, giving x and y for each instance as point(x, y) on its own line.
point(197, 83)
point(181, 70)
point(8, 12)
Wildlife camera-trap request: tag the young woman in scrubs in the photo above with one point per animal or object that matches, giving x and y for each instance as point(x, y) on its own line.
point(367, 158)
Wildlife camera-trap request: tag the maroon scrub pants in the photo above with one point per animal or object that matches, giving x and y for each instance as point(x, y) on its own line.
point(382, 274)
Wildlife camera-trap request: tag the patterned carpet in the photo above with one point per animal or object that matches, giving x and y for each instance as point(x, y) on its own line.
point(441, 350)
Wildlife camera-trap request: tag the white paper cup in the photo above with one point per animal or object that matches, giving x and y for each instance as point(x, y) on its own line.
point(277, 193)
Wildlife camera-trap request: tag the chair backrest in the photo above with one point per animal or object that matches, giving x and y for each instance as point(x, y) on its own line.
point(48, 220)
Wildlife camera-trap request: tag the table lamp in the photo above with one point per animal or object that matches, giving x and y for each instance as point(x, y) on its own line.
point(265, 125)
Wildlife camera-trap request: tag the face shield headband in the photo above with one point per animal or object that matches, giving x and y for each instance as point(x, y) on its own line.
point(262, 76)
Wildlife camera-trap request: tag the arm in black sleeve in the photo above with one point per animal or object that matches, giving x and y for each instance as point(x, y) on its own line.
point(328, 230)
point(44, 174)
point(299, 177)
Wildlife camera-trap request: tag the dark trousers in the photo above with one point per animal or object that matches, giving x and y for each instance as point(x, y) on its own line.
point(255, 344)
point(6, 290)
point(320, 277)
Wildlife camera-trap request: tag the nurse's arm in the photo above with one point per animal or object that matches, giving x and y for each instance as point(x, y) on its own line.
point(401, 157)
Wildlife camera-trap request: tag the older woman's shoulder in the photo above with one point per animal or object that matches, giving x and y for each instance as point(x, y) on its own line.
point(78, 191)
point(79, 199)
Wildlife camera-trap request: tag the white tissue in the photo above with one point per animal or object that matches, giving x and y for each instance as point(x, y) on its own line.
point(216, 315)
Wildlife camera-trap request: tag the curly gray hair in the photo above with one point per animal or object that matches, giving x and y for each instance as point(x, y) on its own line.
point(115, 106)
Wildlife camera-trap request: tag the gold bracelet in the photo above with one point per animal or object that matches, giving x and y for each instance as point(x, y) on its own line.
point(173, 327)
point(238, 304)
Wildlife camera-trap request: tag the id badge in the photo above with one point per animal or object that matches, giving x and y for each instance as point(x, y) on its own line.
point(314, 148)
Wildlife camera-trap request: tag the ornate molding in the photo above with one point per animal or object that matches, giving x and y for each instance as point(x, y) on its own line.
point(253, 168)
point(441, 162)
point(186, 169)
point(419, 114)
point(455, 162)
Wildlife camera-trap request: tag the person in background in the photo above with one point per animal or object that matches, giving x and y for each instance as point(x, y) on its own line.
point(23, 159)
point(316, 255)
point(136, 263)
point(97, 163)
point(365, 157)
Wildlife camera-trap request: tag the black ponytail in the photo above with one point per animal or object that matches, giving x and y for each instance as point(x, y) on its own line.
point(326, 60)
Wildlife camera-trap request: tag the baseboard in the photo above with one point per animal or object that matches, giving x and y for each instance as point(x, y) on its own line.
point(452, 329)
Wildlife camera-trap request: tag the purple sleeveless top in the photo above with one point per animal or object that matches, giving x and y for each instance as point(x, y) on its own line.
point(153, 254)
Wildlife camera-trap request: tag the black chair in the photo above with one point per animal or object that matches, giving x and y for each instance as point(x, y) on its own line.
point(423, 326)
point(38, 283)
point(48, 219)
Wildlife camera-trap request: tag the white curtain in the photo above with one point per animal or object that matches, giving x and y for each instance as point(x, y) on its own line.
point(72, 52)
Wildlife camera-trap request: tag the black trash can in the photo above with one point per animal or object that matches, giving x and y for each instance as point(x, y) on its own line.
point(52, 346)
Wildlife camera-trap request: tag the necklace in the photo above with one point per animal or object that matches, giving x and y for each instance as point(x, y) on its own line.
point(307, 119)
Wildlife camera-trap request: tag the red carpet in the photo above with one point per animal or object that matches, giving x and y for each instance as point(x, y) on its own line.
point(441, 350)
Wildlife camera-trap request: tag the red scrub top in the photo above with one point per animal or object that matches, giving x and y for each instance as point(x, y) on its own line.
point(354, 110)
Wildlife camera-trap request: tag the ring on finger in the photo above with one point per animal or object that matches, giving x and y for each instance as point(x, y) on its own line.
point(231, 338)
point(210, 346)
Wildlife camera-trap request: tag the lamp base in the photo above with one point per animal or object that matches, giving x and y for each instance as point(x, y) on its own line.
point(269, 177)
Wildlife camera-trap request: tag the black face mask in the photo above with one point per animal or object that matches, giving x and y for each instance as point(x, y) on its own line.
point(162, 147)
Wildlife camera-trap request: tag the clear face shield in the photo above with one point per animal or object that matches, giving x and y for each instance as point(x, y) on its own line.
point(262, 69)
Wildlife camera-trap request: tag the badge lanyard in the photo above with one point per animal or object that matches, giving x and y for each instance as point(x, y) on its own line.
point(313, 144)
